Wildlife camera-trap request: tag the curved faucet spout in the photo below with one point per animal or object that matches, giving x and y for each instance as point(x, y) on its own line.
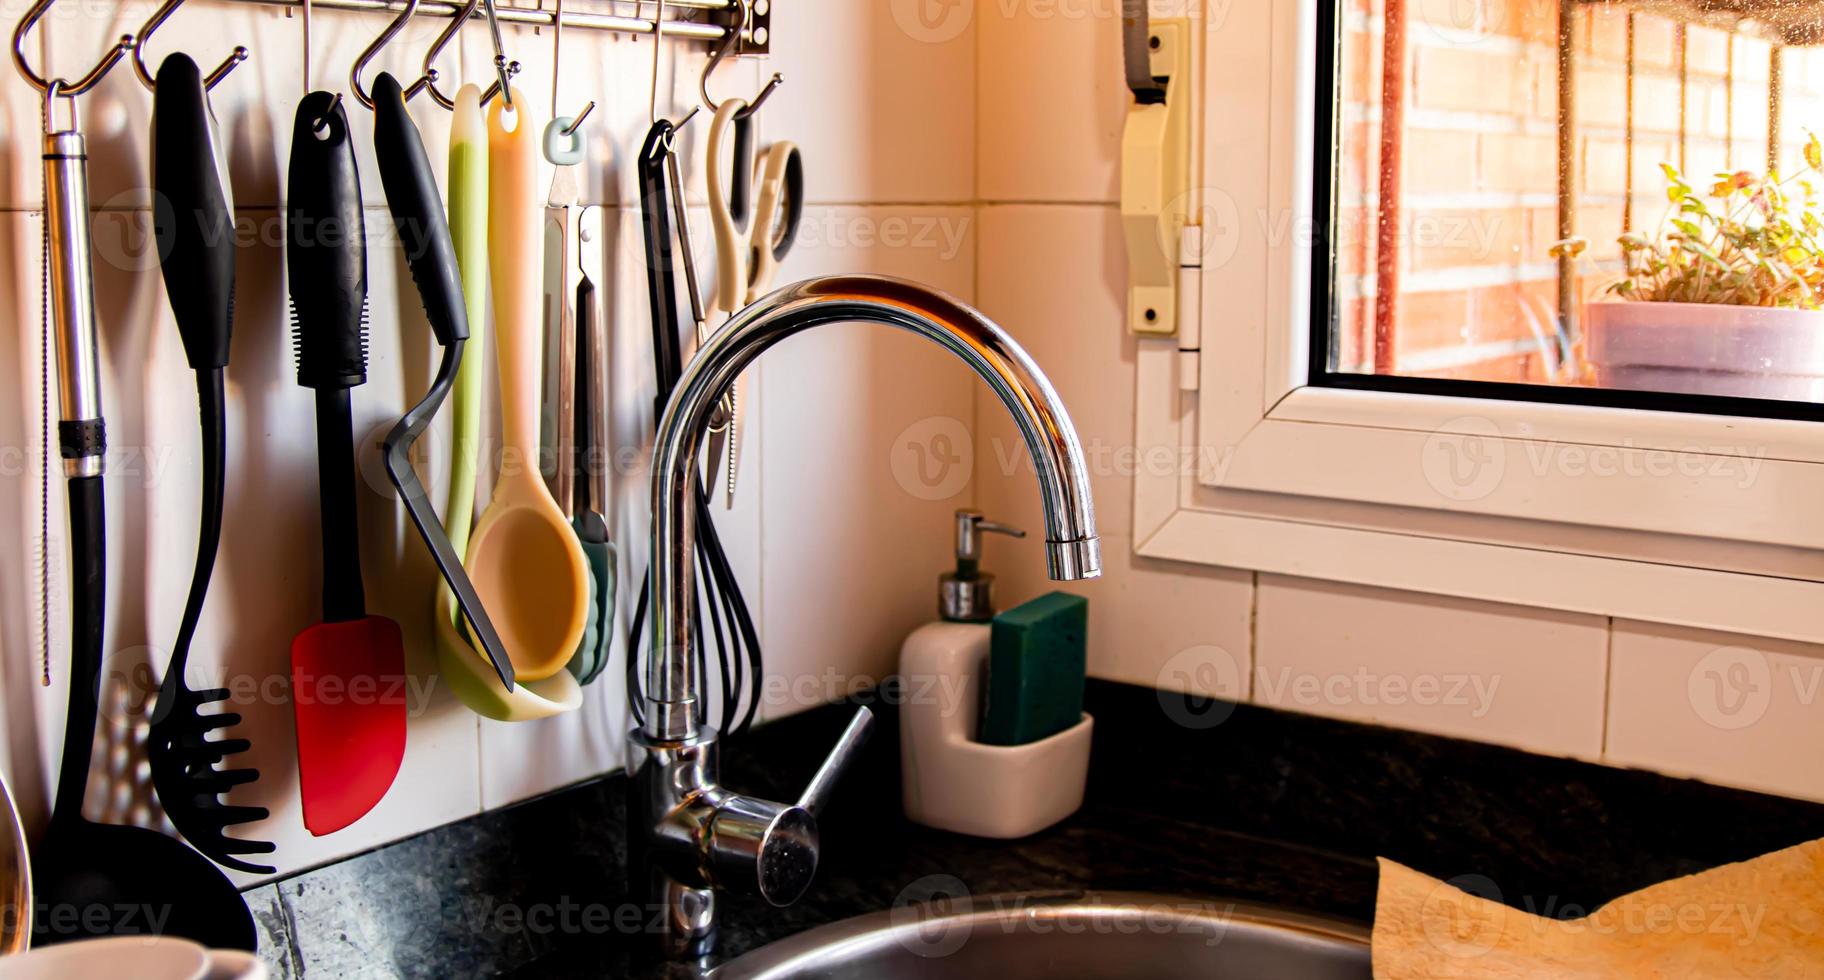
point(1072, 549)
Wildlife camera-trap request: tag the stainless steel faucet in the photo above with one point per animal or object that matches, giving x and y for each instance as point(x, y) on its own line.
point(688, 836)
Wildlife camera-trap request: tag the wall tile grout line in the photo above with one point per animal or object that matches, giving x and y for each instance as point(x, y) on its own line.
point(1247, 683)
point(1608, 686)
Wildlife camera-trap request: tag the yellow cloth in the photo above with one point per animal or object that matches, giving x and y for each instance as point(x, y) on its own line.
point(1762, 918)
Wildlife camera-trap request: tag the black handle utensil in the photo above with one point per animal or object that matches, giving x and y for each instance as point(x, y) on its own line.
point(349, 749)
point(193, 217)
point(90, 872)
point(424, 233)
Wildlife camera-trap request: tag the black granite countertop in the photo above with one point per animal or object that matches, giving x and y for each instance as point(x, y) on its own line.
point(1267, 807)
point(874, 859)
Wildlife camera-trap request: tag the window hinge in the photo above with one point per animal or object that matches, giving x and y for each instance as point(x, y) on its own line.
point(1190, 308)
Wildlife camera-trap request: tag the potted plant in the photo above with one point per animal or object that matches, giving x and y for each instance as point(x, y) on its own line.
point(1728, 298)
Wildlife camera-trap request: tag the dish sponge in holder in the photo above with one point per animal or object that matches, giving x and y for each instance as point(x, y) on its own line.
point(952, 782)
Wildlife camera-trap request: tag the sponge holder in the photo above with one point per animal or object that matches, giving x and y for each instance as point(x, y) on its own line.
point(952, 782)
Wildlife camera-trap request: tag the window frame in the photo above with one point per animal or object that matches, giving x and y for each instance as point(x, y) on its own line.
point(1606, 506)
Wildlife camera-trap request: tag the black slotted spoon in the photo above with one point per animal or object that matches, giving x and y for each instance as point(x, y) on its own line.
point(194, 220)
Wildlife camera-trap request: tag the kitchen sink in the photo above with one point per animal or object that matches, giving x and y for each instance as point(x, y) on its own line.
point(1112, 936)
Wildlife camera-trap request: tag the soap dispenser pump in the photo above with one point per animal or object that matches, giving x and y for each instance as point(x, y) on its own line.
point(966, 595)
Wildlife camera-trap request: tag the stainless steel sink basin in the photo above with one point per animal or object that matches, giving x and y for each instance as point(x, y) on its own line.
point(1113, 936)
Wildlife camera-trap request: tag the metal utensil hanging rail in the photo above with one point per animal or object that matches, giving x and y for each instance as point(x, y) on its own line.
point(729, 10)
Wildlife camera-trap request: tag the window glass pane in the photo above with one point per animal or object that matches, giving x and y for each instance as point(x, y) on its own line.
point(1634, 228)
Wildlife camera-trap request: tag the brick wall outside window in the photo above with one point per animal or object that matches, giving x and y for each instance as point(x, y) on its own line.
point(1480, 182)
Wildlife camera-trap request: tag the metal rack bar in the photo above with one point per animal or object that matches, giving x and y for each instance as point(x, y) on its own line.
point(694, 30)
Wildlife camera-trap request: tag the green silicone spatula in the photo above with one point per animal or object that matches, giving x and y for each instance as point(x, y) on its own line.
point(465, 670)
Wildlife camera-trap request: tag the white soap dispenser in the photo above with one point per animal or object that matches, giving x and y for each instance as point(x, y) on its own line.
point(943, 664)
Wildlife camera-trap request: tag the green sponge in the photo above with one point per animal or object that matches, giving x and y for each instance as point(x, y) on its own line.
point(1036, 662)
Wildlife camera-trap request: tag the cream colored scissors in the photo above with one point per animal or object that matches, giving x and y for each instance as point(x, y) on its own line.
point(748, 253)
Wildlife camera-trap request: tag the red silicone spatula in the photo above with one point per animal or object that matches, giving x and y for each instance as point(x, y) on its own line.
point(351, 729)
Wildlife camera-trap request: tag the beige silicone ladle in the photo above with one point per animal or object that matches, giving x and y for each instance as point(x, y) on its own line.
point(524, 560)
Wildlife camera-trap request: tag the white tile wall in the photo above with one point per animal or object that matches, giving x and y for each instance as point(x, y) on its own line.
point(1529, 678)
point(882, 104)
point(1052, 102)
point(1729, 709)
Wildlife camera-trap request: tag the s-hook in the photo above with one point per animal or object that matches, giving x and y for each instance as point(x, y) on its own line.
point(501, 65)
point(321, 122)
point(444, 38)
point(367, 55)
point(728, 43)
point(63, 88)
point(162, 14)
point(572, 124)
point(652, 97)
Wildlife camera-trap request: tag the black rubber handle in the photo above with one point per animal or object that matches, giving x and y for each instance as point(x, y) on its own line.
point(344, 596)
point(741, 188)
point(398, 448)
point(326, 248)
point(411, 196)
point(191, 213)
point(88, 605)
point(661, 268)
point(583, 448)
point(793, 202)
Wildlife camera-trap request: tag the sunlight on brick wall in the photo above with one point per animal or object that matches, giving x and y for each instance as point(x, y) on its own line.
point(1478, 294)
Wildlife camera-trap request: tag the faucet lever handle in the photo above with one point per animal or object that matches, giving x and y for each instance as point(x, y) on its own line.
point(848, 747)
